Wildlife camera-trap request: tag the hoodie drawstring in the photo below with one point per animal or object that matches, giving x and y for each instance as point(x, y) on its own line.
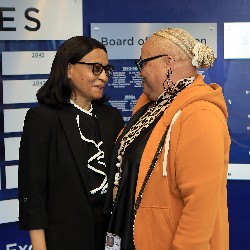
point(167, 141)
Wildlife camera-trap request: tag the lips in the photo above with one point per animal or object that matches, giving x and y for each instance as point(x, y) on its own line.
point(99, 87)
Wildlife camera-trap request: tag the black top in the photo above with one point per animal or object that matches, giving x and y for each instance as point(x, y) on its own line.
point(89, 129)
point(122, 218)
point(54, 180)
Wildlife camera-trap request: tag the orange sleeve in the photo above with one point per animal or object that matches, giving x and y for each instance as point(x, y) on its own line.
point(201, 172)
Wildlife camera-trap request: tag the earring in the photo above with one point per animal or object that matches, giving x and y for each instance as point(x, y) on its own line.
point(168, 81)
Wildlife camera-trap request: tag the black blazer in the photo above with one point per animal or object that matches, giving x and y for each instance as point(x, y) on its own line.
point(53, 175)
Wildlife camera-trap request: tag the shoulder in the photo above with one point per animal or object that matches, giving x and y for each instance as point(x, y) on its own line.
point(110, 114)
point(204, 109)
point(44, 109)
point(201, 117)
point(107, 108)
point(42, 115)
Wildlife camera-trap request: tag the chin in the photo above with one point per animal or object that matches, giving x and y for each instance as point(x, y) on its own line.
point(147, 93)
point(150, 96)
point(97, 97)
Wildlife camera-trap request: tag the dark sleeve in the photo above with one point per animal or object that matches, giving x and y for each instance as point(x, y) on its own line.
point(119, 119)
point(32, 174)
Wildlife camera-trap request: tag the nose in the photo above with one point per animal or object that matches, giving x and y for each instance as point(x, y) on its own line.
point(103, 76)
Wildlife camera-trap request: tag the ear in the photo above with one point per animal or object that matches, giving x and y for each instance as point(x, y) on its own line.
point(170, 61)
point(69, 70)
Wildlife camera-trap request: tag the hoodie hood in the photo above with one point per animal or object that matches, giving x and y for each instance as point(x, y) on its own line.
point(198, 90)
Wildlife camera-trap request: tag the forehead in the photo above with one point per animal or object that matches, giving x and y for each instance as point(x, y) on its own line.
point(96, 55)
point(153, 46)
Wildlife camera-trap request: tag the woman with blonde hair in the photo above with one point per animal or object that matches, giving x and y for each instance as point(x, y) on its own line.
point(170, 162)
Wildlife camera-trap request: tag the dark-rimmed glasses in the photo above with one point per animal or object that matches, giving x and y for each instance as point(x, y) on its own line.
point(97, 68)
point(141, 63)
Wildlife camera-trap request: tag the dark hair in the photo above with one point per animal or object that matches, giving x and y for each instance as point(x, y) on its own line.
point(56, 90)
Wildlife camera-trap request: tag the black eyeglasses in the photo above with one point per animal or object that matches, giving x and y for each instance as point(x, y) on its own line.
point(97, 68)
point(141, 63)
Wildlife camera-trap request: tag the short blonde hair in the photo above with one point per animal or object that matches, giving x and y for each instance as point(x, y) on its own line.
point(202, 56)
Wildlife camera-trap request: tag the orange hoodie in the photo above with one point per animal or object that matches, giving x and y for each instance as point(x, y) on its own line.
point(184, 204)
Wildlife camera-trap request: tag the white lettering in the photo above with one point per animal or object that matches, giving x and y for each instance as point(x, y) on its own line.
point(14, 246)
point(9, 246)
point(22, 248)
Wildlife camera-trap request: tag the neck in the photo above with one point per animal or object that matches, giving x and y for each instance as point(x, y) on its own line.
point(84, 104)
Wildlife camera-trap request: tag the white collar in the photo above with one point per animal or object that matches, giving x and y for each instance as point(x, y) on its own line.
point(89, 112)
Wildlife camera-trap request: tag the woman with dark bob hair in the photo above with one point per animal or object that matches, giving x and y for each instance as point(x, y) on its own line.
point(65, 151)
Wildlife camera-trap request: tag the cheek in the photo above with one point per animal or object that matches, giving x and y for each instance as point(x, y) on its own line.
point(150, 79)
point(88, 80)
point(154, 82)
